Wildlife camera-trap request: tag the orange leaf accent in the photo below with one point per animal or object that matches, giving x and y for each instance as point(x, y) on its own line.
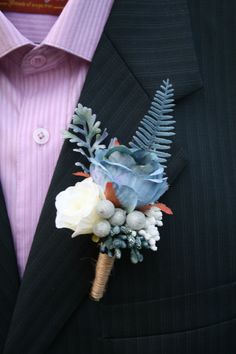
point(117, 143)
point(161, 206)
point(81, 174)
point(111, 195)
point(164, 208)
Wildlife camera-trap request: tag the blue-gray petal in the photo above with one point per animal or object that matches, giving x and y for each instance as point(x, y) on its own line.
point(127, 197)
point(123, 159)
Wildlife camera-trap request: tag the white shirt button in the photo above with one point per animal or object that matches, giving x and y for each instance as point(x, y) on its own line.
point(41, 136)
point(38, 61)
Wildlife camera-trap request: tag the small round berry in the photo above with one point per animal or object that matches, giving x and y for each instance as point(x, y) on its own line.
point(105, 209)
point(152, 242)
point(118, 219)
point(136, 220)
point(116, 230)
point(154, 212)
point(150, 221)
point(102, 228)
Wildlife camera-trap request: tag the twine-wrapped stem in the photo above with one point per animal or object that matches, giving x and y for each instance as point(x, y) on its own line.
point(103, 270)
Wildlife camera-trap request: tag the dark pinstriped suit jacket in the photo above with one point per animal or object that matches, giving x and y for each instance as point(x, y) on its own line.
point(181, 299)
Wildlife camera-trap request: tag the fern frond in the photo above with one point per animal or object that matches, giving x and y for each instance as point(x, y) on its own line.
point(156, 127)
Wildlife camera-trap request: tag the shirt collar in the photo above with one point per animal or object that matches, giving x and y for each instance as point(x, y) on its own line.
point(77, 30)
point(10, 37)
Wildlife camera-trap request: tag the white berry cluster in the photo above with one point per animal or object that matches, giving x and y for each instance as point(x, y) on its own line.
point(143, 223)
point(150, 232)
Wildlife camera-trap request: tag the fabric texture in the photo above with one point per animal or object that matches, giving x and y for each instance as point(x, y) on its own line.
point(180, 299)
point(40, 86)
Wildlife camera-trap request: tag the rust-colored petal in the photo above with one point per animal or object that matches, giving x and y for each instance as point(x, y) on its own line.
point(117, 143)
point(111, 195)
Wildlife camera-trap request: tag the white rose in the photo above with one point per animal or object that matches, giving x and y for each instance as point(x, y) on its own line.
point(76, 207)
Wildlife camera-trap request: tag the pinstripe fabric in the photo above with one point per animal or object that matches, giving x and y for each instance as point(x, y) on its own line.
point(40, 97)
point(139, 24)
point(30, 26)
point(9, 277)
point(72, 261)
point(181, 299)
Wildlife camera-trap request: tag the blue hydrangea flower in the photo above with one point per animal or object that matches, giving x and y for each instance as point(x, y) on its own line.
point(136, 174)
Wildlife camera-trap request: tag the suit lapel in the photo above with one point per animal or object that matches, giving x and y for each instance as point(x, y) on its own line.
point(9, 277)
point(60, 270)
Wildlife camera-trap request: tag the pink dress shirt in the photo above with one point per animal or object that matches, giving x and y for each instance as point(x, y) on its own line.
point(44, 60)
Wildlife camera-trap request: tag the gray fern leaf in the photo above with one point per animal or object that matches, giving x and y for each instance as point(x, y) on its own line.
point(156, 128)
point(87, 134)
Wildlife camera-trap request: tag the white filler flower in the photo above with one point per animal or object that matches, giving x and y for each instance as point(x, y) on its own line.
point(76, 207)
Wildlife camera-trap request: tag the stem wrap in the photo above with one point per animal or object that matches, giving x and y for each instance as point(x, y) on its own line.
point(103, 270)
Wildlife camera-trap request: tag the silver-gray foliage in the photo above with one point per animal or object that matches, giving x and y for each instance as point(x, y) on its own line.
point(156, 127)
point(87, 134)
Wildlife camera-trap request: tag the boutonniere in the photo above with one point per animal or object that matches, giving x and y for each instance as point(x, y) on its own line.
point(117, 202)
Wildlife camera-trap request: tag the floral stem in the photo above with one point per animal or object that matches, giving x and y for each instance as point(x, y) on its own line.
point(103, 270)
